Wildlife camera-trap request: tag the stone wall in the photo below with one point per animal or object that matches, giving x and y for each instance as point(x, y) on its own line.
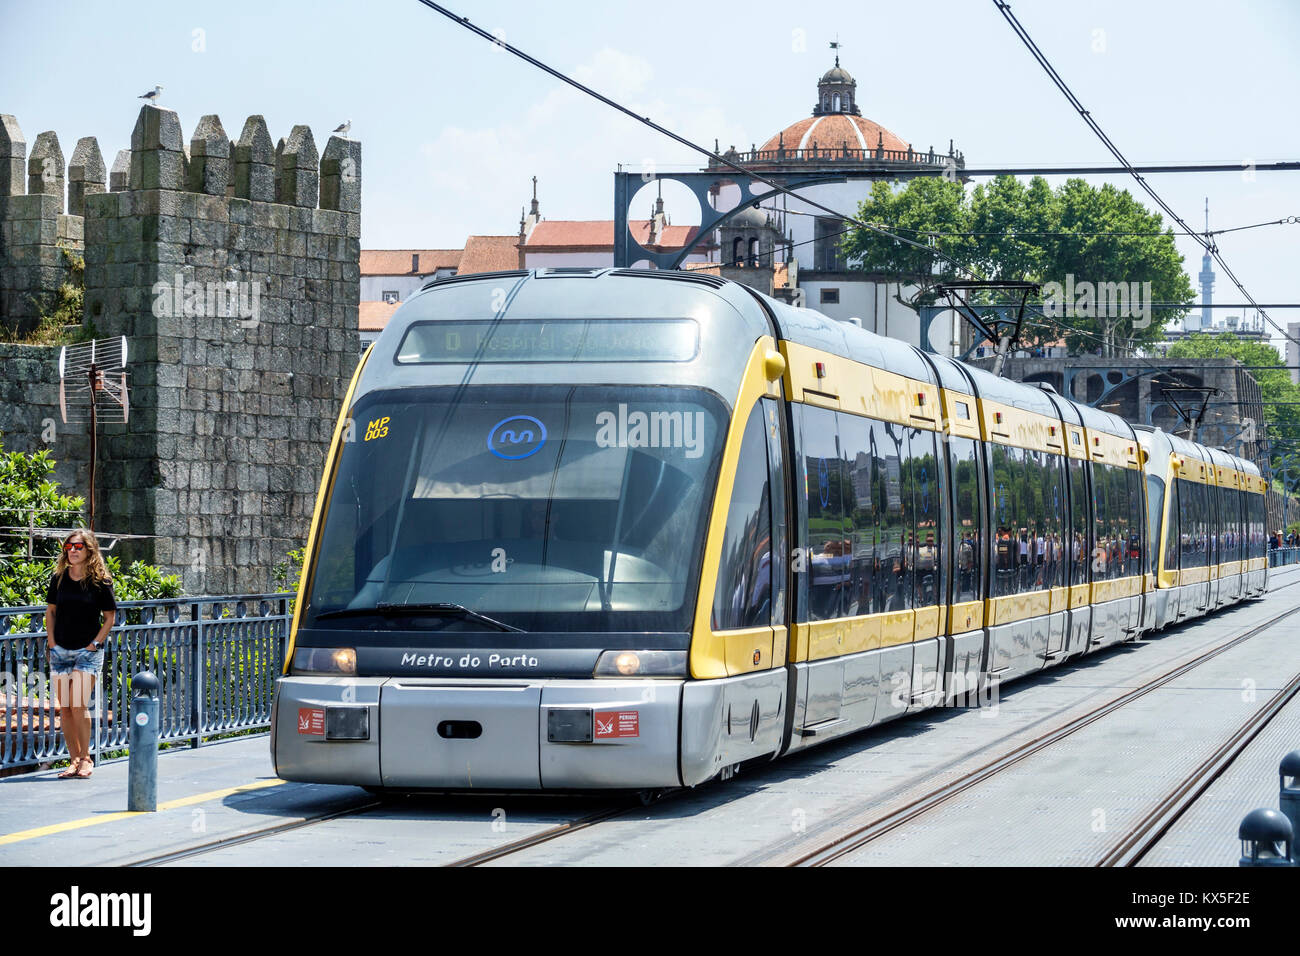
point(234, 273)
point(29, 413)
point(33, 224)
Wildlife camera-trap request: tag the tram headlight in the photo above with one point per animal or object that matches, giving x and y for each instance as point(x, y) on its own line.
point(324, 660)
point(641, 664)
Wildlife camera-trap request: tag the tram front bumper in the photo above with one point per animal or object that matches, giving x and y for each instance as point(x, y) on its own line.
point(429, 733)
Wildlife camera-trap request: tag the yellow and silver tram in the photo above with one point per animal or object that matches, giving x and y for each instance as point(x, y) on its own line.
point(625, 529)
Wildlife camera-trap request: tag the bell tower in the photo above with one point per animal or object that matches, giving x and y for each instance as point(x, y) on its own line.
point(836, 90)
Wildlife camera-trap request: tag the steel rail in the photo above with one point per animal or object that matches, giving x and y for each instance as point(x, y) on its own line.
point(1151, 829)
point(542, 836)
point(860, 836)
point(250, 836)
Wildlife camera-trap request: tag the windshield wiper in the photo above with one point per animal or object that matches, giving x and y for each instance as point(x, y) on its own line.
point(437, 610)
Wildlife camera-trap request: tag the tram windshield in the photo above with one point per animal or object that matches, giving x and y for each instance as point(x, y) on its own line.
point(546, 508)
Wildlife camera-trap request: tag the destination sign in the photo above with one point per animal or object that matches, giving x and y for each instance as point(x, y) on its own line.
point(550, 340)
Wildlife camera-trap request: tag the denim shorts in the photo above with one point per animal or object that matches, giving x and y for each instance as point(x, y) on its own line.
point(63, 661)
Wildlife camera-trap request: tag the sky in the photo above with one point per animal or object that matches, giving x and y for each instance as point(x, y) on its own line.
point(453, 128)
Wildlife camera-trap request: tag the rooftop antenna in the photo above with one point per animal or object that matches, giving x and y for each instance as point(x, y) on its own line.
point(92, 389)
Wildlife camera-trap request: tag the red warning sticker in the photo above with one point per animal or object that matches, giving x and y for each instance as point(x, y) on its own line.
point(311, 720)
point(617, 723)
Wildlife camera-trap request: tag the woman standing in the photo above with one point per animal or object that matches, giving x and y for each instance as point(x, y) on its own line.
point(80, 590)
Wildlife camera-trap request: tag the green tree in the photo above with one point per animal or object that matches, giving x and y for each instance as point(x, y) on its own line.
point(926, 205)
point(1275, 384)
point(1012, 230)
point(34, 515)
point(31, 504)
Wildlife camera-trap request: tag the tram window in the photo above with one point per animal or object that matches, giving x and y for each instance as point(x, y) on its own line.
point(1053, 532)
point(1080, 551)
point(1245, 498)
point(968, 541)
point(1100, 528)
point(1202, 524)
point(824, 551)
point(1006, 469)
point(463, 498)
point(1129, 499)
point(1261, 532)
point(1212, 516)
point(1109, 499)
point(1136, 522)
point(1189, 531)
point(776, 459)
point(1200, 542)
point(893, 580)
point(1034, 518)
point(925, 506)
point(1172, 549)
point(861, 526)
point(1155, 507)
point(743, 595)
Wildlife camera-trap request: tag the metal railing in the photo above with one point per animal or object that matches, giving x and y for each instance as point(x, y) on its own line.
point(216, 659)
point(1281, 556)
point(841, 153)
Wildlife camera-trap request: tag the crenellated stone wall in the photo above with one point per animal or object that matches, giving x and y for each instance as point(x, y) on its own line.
point(234, 273)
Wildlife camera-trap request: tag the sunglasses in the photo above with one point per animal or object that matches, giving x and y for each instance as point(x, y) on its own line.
point(75, 546)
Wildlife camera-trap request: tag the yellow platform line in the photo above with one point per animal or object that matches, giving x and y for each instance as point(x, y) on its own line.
point(53, 828)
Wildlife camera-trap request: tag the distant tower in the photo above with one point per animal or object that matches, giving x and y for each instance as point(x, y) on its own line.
point(1206, 276)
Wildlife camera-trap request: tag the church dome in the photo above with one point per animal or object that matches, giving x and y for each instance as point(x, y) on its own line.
point(749, 218)
point(837, 74)
point(834, 131)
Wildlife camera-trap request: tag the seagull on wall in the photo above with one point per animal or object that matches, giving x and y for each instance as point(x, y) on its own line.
point(151, 96)
point(344, 128)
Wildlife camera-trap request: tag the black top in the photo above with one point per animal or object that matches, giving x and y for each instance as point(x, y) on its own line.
point(77, 606)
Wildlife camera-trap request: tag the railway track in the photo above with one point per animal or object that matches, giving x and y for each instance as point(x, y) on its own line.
point(1152, 828)
point(250, 836)
point(1138, 841)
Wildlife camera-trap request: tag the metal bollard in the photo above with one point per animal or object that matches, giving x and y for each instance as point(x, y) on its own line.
point(1266, 839)
point(1288, 798)
point(142, 773)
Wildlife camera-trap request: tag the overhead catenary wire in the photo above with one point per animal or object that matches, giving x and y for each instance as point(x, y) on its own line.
point(715, 157)
point(1210, 247)
point(1066, 234)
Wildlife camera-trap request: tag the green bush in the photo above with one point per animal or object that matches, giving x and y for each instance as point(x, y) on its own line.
point(31, 498)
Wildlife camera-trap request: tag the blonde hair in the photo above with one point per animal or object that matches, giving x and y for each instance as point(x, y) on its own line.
point(95, 568)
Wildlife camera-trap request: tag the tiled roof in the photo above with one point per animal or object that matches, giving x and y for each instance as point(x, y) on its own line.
point(594, 235)
point(397, 262)
point(489, 254)
point(373, 316)
point(832, 131)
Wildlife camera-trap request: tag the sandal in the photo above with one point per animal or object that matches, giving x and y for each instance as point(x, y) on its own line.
point(71, 771)
point(86, 769)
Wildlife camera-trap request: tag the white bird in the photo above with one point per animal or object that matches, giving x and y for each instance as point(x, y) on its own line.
point(151, 96)
point(344, 128)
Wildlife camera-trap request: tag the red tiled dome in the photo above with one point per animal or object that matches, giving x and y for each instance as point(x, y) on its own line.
point(833, 131)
